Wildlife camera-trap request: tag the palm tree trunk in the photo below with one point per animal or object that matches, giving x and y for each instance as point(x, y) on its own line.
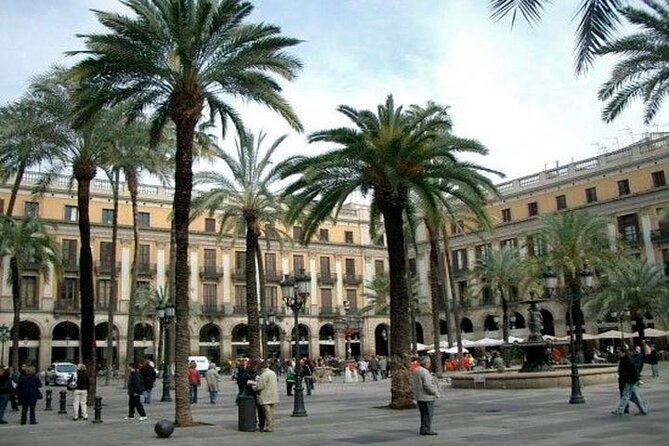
point(445, 302)
point(15, 188)
point(401, 392)
point(111, 309)
point(16, 301)
point(131, 180)
point(252, 289)
point(435, 294)
point(171, 327)
point(505, 316)
point(263, 298)
point(84, 177)
point(185, 114)
point(456, 306)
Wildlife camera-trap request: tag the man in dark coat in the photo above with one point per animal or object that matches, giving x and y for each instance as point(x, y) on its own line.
point(135, 389)
point(628, 376)
point(28, 393)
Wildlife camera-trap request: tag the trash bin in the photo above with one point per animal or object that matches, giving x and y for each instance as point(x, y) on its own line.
point(247, 413)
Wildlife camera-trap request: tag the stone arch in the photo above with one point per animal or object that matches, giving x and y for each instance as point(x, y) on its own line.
point(519, 321)
point(326, 340)
point(326, 332)
point(466, 325)
point(240, 333)
point(143, 331)
point(210, 331)
point(101, 331)
point(548, 323)
point(442, 327)
point(489, 323)
point(65, 330)
point(28, 330)
point(382, 339)
point(419, 333)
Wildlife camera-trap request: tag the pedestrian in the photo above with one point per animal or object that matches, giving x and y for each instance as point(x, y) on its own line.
point(13, 398)
point(628, 376)
point(242, 377)
point(290, 378)
point(80, 394)
point(363, 365)
point(652, 359)
point(267, 395)
point(425, 391)
point(28, 393)
point(135, 389)
point(6, 389)
point(383, 367)
point(638, 359)
point(213, 382)
point(149, 375)
point(194, 381)
point(307, 375)
point(374, 367)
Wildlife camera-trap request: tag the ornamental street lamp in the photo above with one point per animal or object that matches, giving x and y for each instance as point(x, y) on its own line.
point(165, 316)
point(550, 283)
point(295, 292)
point(621, 316)
point(4, 337)
point(348, 324)
point(266, 319)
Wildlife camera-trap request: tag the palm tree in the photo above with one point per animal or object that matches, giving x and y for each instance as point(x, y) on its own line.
point(505, 272)
point(378, 294)
point(642, 72)
point(84, 151)
point(634, 284)
point(26, 139)
point(388, 155)
point(175, 57)
point(598, 22)
point(245, 201)
point(26, 242)
point(576, 240)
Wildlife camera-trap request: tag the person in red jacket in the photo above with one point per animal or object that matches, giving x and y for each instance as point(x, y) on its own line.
point(194, 381)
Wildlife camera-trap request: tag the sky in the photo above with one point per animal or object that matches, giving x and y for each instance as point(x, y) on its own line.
point(514, 90)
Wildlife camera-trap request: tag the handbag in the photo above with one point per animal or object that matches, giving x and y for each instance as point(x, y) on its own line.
point(72, 383)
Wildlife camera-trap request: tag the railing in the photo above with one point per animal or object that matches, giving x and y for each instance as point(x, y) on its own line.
point(70, 266)
point(212, 310)
point(211, 272)
point(327, 278)
point(66, 306)
point(146, 269)
point(277, 311)
point(273, 276)
point(352, 279)
point(238, 309)
point(659, 235)
point(329, 311)
point(106, 267)
point(239, 275)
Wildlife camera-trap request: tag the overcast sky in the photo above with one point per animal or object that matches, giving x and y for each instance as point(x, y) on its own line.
point(513, 90)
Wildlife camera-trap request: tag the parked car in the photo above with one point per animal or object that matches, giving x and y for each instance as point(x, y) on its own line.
point(58, 373)
point(201, 363)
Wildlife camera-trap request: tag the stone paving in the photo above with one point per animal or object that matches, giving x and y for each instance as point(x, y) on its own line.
point(355, 414)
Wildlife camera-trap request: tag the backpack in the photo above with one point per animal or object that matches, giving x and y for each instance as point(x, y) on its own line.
point(72, 382)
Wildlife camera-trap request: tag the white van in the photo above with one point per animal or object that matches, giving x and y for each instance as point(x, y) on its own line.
point(201, 363)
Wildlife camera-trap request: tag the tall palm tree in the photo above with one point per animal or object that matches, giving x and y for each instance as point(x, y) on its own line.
point(387, 155)
point(598, 22)
point(642, 71)
point(176, 57)
point(505, 272)
point(575, 239)
point(634, 284)
point(26, 242)
point(245, 200)
point(84, 151)
point(27, 138)
point(378, 295)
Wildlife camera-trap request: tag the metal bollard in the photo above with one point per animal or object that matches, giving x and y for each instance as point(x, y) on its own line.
point(63, 396)
point(49, 395)
point(97, 409)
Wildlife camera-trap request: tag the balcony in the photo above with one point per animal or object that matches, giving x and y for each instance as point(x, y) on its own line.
point(327, 278)
point(239, 309)
point(70, 266)
point(105, 268)
point(211, 272)
point(146, 269)
point(212, 310)
point(329, 311)
point(352, 279)
point(31, 267)
point(102, 305)
point(66, 306)
point(659, 236)
point(273, 276)
point(459, 272)
point(277, 311)
point(239, 275)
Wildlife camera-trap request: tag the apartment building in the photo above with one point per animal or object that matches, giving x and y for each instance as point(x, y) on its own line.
point(340, 260)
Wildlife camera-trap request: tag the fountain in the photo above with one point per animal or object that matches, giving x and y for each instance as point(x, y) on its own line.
point(537, 350)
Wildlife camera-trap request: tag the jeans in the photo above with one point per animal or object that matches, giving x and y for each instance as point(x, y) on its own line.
point(631, 393)
point(147, 395)
point(135, 403)
point(213, 396)
point(426, 409)
point(79, 402)
point(193, 393)
point(656, 370)
point(24, 412)
point(4, 399)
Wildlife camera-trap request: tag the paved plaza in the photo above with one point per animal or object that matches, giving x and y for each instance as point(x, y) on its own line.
point(355, 414)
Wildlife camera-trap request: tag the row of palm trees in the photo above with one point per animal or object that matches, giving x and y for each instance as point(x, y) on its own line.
point(173, 63)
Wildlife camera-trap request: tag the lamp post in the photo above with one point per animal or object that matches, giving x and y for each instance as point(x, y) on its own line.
point(4, 337)
point(295, 291)
point(266, 319)
point(550, 282)
point(348, 324)
point(620, 316)
point(165, 316)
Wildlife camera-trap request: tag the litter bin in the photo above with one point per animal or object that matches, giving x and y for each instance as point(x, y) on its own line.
point(247, 413)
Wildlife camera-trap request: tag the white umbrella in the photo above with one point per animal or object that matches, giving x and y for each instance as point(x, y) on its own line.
point(513, 339)
point(488, 342)
point(452, 350)
point(611, 334)
point(651, 333)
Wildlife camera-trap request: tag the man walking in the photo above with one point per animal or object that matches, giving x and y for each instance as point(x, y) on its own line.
point(135, 389)
point(267, 395)
point(628, 377)
point(425, 391)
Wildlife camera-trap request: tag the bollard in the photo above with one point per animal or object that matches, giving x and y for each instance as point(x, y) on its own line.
point(63, 396)
point(246, 413)
point(97, 409)
point(49, 395)
point(307, 382)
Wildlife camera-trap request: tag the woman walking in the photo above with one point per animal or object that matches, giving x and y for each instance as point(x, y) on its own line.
point(28, 393)
point(80, 394)
point(6, 389)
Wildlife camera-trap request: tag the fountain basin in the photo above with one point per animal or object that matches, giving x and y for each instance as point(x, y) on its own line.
point(560, 376)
